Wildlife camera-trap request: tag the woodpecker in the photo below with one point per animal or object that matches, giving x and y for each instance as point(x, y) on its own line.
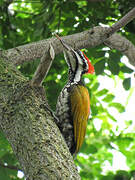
point(73, 104)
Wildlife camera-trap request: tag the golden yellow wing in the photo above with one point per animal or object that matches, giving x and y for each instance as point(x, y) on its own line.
point(80, 109)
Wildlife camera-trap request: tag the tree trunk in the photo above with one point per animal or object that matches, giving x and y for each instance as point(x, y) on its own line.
point(30, 129)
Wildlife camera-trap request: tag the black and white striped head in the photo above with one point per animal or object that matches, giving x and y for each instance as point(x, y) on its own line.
point(77, 61)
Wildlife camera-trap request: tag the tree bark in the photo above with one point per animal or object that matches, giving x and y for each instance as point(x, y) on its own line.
point(86, 39)
point(30, 129)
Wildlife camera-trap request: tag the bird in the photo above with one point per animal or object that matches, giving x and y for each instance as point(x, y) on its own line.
point(73, 103)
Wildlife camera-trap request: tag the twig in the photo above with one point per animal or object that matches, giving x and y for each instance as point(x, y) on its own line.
point(10, 167)
point(43, 68)
point(62, 42)
point(122, 22)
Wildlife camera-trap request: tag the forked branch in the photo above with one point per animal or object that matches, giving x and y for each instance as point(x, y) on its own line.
point(90, 38)
point(43, 68)
point(122, 22)
point(10, 167)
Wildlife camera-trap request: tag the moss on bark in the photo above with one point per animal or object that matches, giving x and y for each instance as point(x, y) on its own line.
point(30, 129)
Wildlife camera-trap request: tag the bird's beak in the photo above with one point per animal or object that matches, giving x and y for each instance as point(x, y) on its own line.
point(63, 43)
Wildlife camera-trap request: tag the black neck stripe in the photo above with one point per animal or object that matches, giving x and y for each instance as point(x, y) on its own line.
point(83, 59)
point(76, 67)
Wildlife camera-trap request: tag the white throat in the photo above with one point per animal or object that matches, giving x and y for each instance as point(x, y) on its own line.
point(78, 75)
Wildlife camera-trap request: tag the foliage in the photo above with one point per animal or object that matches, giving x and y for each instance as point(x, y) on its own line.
point(34, 20)
point(7, 158)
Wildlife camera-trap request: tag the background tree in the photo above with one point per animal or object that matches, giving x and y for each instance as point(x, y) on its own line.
point(23, 23)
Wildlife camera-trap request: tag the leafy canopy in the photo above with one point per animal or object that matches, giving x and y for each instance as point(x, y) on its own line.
point(27, 21)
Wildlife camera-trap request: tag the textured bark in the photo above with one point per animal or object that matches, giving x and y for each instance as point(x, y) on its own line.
point(123, 45)
point(30, 129)
point(91, 38)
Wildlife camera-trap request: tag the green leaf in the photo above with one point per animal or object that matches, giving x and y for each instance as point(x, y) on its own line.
point(94, 110)
point(96, 53)
point(108, 177)
point(99, 67)
point(124, 142)
point(118, 106)
point(109, 98)
point(110, 116)
point(131, 91)
point(92, 149)
point(88, 148)
point(126, 69)
point(115, 56)
point(113, 66)
point(102, 92)
point(4, 145)
point(95, 86)
point(9, 158)
point(127, 83)
point(8, 174)
point(122, 174)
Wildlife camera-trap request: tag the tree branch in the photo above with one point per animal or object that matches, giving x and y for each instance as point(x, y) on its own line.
point(90, 38)
point(10, 167)
point(43, 67)
point(122, 22)
point(30, 129)
point(123, 45)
